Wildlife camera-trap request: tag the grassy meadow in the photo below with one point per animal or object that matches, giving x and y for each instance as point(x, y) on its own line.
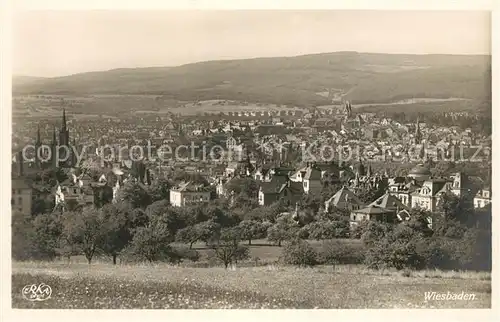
point(252, 284)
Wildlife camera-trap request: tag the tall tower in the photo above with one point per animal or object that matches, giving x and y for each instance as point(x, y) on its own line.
point(54, 150)
point(418, 135)
point(64, 133)
point(64, 141)
point(38, 144)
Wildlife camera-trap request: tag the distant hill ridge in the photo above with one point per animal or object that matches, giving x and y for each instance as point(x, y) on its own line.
point(300, 80)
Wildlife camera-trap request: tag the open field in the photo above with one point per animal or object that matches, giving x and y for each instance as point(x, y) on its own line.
point(163, 286)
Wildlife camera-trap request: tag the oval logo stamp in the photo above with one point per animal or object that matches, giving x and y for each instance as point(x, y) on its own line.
point(35, 292)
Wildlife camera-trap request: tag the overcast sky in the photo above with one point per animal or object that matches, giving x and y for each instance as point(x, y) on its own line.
point(55, 43)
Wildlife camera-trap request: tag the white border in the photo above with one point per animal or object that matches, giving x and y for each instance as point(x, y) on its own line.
point(7, 314)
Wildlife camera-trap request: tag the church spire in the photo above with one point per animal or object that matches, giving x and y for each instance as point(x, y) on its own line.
point(38, 140)
point(417, 131)
point(54, 137)
point(64, 120)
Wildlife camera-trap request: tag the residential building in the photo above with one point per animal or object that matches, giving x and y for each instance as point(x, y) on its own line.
point(310, 177)
point(188, 193)
point(21, 199)
point(344, 199)
point(280, 188)
point(482, 198)
point(428, 196)
point(387, 208)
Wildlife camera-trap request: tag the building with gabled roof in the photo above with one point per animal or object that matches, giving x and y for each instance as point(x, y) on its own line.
point(428, 196)
point(310, 177)
point(389, 202)
point(344, 199)
point(280, 188)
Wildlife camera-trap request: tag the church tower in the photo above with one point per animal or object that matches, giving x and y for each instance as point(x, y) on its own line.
point(54, 150)
point(38, 144)
point(418, 135)
point(65, 142)
point(64, 132)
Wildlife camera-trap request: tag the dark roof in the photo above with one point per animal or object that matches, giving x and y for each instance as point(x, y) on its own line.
point(388, 202)
point(275, 185)
point(374, 210)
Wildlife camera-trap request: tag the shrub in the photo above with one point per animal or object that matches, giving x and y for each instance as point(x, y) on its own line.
point(437, 253)
point(336, 252)
point(36, 239)
point(375, 231)
point(303, 233)
point(184, 252)
point(399, 255)
point(299, 252)
point(327, 229)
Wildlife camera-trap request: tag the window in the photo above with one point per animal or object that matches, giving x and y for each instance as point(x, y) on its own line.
point(13, 191)
point(20, 200)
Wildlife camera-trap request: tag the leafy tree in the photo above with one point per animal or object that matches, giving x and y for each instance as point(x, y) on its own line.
point(116, 230)
point(151, 242)
point(157, 208)
point(251, 229)
point(188, 235)
point(244, 186)
point(84, 230)
point(457, 208)
point(328, 229)
point(299, 252)
point(47, 231)
point(336, 252)
point(103, 195)
point(42, 205)
point(160, 190)
point(375, 231)
point(35, 238)
point(419, 222)
point(284, 229)
point(227, 248)
point(135, 194)
point(208, 230)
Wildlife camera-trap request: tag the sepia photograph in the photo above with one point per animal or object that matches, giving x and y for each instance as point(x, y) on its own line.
point(251, 159)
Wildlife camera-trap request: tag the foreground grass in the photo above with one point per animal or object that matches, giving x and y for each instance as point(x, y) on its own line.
point(163, 286)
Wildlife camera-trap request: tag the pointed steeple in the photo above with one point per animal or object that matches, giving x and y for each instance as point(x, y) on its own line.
point(54, 137)
point(38, 140)
point(64, 120)
point(418, 135)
